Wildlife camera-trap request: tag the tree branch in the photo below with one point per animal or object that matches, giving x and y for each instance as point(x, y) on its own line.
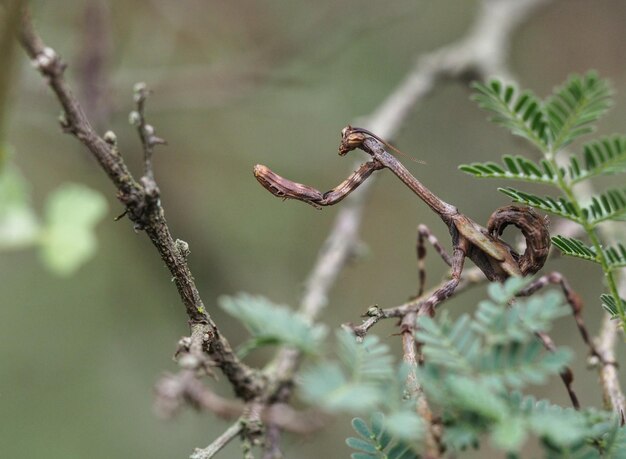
point(142, 207)
point(221, 441)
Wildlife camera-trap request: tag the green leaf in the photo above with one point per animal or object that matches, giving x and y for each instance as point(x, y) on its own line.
point(612, 305)
point(269, 323)
point(377, 421)
point(615, 442)
point(615, 255)
point(509, 434)
point(503, 293)
point(514, 168)
point(610, 205)
point(461, 436)
point(521, 113)
point(453, 349)
point(560, 206)
point(361, 445)
point(361, 383)
point(520, 321)
point(406, 425)
point(574, 248)
point(604, 156)
point(472, 395)
point(68, 238)
point(380, 442)
point(360, 426)
point(362, 456)
point(18, 224)
point(574, 106)
point(559, 426)
point(327, 386)
point(368, 360)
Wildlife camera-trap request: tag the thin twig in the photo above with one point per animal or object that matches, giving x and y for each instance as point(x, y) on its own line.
point(146, 131)
point(143, 208)
point(609, 375)
point(221, 441)
point(432, 446)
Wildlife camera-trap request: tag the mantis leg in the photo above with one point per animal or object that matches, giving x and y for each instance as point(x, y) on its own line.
point(457, 261)
point(572, 298)
point(425, 234)
point(566, 375)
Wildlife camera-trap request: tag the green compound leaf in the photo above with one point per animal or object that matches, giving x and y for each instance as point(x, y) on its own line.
point(517, 322)
point(616, 255)
point(574, 106)
point(610, 205)
point(574, 248)
point(359, 384)
point(614, 442)
point(510, 433)
point(381, 442)
point(604, 156)
point(560, 206)
point(326, 385)
point(610, 304)
point(269, 323)
point(68, 237)
point(514, 168)
point(521, 113)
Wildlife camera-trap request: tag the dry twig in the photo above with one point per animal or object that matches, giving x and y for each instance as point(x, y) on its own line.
point(143, 207)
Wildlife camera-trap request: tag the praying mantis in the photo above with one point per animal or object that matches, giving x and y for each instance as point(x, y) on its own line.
point(496, 259)
point(493, 256)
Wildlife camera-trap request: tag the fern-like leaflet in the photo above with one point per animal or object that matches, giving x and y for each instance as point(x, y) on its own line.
point(376, 441)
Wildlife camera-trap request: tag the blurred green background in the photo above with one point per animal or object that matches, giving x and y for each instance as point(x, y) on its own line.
point(239, 83)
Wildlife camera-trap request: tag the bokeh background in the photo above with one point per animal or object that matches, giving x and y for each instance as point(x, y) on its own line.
point(238, 83)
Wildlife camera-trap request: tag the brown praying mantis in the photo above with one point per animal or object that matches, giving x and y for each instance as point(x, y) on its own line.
point(493, 256)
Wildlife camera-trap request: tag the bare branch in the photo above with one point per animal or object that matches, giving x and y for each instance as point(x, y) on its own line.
point(143, 208)
point(609, 375)
point(221, 441)
point(432, 446)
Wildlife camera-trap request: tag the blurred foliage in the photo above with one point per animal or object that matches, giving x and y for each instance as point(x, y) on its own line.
point(65, 237)
point(473, 370)
point(68, 239)
point(376, 440)
point(273, 324)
